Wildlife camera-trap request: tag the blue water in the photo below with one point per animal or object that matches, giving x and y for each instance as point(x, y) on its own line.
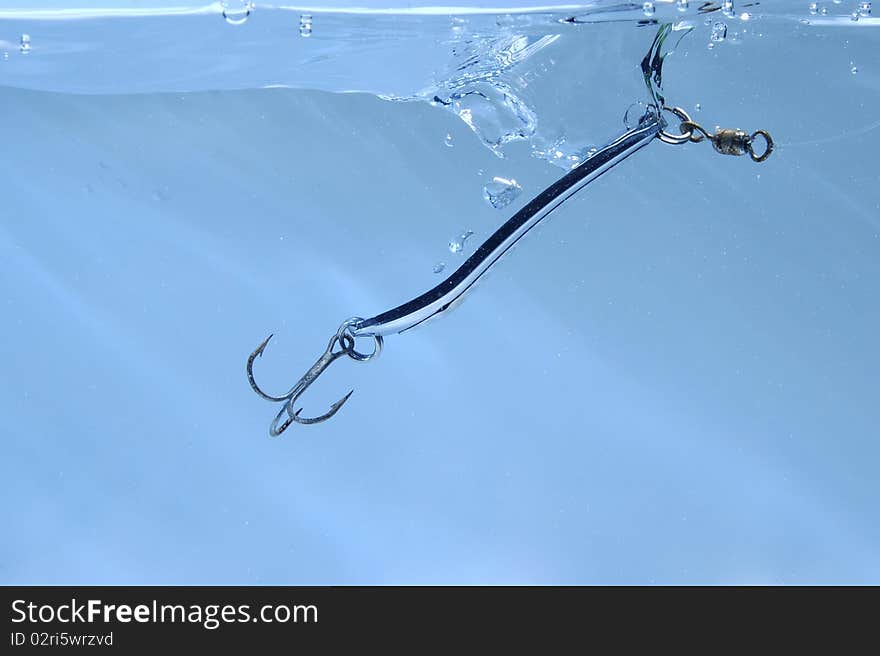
point(672, 381)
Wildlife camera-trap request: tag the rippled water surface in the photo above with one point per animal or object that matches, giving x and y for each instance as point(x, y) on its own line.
point(674, 380)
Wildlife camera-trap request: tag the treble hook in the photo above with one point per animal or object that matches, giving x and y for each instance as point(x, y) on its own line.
point(345, 340)
point(290, 398)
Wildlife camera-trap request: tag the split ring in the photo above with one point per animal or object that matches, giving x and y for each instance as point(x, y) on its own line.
point(683, 137)
point(346, 332)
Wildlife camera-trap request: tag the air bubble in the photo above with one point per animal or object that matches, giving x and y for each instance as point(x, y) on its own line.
point(698, 107)
point(719, 32)
point(864, 8)
point(236, 12)
point(634, 114)
point(25, 42)
point(305, 25)
point(814, 8)
point(681, 5)
point(824, 11)
point(448, 140)
point(727, 8)
point(854, 16)
point(648, 8)
point(438, 268)
point(501, 192)
point(854, 69)
point(457, 245)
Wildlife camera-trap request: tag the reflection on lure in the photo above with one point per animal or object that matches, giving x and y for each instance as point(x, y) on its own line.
point(452, 290)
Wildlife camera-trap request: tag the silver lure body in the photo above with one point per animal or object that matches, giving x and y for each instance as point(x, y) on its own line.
point(445, 295)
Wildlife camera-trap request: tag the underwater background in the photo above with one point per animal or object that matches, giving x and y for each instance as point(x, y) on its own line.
point(674, 380)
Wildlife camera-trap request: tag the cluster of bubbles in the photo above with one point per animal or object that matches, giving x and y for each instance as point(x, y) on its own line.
point(862, 10)
point(456, 246)
point(24, 46)
point(718, 32)
point(727, 7)
point(498, 193)
point(648, 7)
point(236, 12)
point(563, 154)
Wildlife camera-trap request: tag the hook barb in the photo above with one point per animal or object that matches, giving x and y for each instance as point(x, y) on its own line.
point(316, 420)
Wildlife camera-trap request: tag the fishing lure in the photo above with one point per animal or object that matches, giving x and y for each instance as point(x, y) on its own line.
point(448, 293)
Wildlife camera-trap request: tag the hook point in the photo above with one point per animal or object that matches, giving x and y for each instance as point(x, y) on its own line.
point(341, 402)
point(262, 347)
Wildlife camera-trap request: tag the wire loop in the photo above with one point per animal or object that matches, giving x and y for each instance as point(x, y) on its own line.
point(685, 135)
point(346, 332)
point(767, 139)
